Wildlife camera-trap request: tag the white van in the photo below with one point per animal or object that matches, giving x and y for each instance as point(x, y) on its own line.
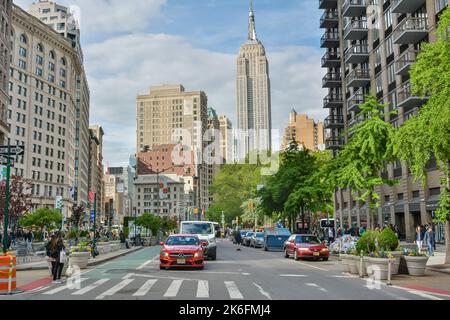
point(205, 232)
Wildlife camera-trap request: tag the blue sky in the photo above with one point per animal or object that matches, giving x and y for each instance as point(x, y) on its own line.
point(131, 45)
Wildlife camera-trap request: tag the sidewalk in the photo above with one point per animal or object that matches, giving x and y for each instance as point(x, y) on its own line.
point(33, 275)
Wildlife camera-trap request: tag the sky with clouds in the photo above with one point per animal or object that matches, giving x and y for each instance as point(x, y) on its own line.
point(133, 44)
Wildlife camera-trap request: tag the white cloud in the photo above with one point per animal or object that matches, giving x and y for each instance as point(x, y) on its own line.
point(122, 67)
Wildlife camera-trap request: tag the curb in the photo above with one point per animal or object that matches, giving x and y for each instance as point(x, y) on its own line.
point(93, 263)
point(438, 270)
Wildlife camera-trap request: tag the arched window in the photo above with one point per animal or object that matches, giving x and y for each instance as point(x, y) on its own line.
point(40, 48)
point(63, 61)
point(23, 38)
point(52, 55)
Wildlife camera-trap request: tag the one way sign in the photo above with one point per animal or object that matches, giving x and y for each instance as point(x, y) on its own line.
point(13, 150)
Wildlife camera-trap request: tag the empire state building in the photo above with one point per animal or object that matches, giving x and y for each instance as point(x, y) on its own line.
point(253, 100)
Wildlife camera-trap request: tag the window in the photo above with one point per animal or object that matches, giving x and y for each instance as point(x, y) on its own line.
point(51, 55)
point(39, 60)
point(40, 48)
point(62, 83)
point(391, 73)
point(62, 72)
point(39, 72)
point(23, 39)
point(389, 46)
point(379, 83)
point(388, 18)
point(63, 61)
point(51, 66)
point(22, 64)
point(51, 78)
point(22, 52)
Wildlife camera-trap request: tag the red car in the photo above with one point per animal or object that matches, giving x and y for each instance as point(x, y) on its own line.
point(305, 246)
point(182, 250)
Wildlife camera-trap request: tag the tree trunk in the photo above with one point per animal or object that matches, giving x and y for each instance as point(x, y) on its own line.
point(303, 219)
point(371, 222)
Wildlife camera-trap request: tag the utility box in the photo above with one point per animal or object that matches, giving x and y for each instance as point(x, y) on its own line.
point(274, 238)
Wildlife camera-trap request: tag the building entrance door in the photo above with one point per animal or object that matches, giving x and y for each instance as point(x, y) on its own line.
point(400, 222)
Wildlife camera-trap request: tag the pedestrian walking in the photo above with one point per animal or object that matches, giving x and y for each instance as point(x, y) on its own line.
point(330, 235)
point(29, 239)
point(238, 240)
point(419, 238)
point(428, 240)
point(56, 255)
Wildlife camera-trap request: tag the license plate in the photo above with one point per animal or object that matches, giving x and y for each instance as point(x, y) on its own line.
point(181, 261)
point(316, 253)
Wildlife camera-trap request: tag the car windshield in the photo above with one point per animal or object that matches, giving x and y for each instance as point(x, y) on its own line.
point(197, 228)
point(307, 239)
point(260, 235)
point(243, 233)
point(182, 241)
point(249, 234)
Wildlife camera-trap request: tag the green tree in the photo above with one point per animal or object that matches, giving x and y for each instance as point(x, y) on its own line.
point(360, 162)
point(252, 208)
point(77, 217)
point(42, 218)
point(428, 133)
point(168, 224)
point(150, 222)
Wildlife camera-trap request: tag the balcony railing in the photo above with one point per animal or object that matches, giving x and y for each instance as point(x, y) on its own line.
point(404, 61)
point(334, 122)
point(406, 6)
point(411, 30)
point(355, 101)
point(407, 100)
point(332, 80)
point(334, 143)
point(329, 19)
point(333, 101)
point(331, 60)
point(358, 78)
point(327, 4)
point(330, 40)
point(358, 53)
point(353, 8)
point(356, 30)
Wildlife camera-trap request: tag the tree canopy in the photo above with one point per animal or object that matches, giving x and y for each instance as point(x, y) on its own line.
point(43, 218)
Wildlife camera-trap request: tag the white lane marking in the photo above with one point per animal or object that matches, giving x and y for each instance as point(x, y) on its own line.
point(173, 289)
point(114, 289)
point(147, 286)
point(90, 287)
point(261, 290)
point(311, 284)
point(203, 289)
point(293, 275)
point(316, 286)
point(308, 265)
point(147, 262)
point(233, 290)
point(59, 289)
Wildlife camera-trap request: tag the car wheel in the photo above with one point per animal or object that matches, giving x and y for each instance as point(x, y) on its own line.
point(286, 254)
point(295, 255)
point(161, 268)
point(325, 259)
point(213, 256)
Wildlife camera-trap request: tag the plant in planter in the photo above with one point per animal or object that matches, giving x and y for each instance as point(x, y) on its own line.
point(378, 264)
point(366, 245)
point(79, 255)
point(388, 241)
point(416, 262)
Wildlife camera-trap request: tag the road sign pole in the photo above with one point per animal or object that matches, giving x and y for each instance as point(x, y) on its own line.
point(6, 212)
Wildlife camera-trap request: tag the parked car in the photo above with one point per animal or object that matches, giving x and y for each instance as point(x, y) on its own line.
point(257, 240)
point(246, 238)
point(182, 251)
point(306, 246)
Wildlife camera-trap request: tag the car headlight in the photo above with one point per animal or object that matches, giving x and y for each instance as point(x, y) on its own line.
point(198, 254)
point(325, 250)
point(164, 253)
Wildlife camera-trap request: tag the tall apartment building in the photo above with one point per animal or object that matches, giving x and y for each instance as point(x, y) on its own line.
point(123, 191)
point(213, 152)
point(60, 19)
point(304, 131)
point(371, 46)
point(253, 100)
point(226, 139)
point(5, 52)
point(171, 115)
point(43, 108)
point(95, 183)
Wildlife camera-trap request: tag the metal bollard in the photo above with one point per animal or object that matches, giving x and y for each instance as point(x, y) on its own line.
point(361, 274)
point(389, 272)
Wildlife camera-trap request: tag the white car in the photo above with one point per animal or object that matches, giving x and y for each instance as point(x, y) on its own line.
point(205, 232)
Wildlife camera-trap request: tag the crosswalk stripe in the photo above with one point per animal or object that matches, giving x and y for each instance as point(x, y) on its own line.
point(115, 289)
point(90, 287)
point(59, 289)
point(203, 289)
point(173, 289)
point(233, 290)
point(145, 288)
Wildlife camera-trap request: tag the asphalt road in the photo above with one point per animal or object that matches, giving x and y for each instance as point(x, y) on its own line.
point(250, 274)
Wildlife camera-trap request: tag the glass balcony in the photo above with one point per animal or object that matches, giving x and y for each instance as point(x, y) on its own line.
point(332, 80)
point(333, 100)
point(404, 62)
point(358, 78)
point(334, 122)
point(333, 143)
point(355, 101)
point(406, 6)
point(358, 53)
point(356, 30)
point(327, 4)
point(330, 40)
point(331, 60)
point(353, 8)
point(411, 30)
point(407, 100)
point(329, 19)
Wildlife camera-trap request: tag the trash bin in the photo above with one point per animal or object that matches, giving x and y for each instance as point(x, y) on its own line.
point(274, 238)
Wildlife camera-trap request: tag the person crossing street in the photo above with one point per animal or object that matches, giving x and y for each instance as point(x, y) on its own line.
point(238, 240)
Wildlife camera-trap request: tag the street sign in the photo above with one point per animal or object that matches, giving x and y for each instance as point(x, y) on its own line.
point(92, 215)
point(4, 161)
point(13, 151)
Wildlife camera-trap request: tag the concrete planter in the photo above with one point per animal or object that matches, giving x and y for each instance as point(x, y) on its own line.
point(396, 264)
point(104, 247)
point(115, 247)
point(416, 265)
point(345, 262)
point(379, 268)
point(79, 259)
point(352, 261)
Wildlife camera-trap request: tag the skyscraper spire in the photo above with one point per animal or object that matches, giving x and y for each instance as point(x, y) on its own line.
point(251, 23)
